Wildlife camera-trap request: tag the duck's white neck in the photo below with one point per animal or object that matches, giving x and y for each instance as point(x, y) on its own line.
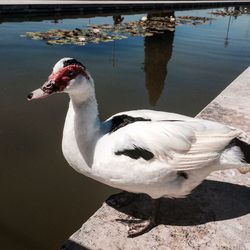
point(81, 132)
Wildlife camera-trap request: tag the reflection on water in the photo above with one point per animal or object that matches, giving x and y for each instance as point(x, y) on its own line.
point(226, 43)
point(157, 52)
point(118, 19)
point(43, 199)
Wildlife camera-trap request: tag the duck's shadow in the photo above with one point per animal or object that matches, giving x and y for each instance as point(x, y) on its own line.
point(211, 201)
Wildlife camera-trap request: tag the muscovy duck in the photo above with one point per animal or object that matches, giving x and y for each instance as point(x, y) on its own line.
point(141, 151)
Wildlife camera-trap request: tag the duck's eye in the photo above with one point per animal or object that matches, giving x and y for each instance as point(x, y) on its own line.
point(71, 73)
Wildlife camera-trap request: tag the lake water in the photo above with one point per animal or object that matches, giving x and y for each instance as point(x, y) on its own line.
point(43, 201)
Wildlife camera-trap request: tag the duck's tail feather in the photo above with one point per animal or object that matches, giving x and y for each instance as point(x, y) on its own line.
point(244, 147)
point(236, 155)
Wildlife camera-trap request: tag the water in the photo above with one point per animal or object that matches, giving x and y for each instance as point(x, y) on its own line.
point(43, 200)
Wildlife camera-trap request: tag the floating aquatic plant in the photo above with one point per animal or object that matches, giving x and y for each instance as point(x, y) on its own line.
point(76, 36)
point(231, 11)
point(107, 33)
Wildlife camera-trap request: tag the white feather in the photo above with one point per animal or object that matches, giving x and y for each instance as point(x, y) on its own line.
point(178, 143)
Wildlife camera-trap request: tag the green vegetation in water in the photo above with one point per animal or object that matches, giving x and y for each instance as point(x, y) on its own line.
point(106, 33)
point(76, 36)
point(231, 12)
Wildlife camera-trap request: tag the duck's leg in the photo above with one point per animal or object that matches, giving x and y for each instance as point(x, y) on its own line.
point(140, 227)
point(121, 199)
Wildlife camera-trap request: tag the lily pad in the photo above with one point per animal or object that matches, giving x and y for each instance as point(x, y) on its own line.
point(149, 26)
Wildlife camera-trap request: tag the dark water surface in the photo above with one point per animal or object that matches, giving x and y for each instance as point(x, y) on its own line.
point(43, 200)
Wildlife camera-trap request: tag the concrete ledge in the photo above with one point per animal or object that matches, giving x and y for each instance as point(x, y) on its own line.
point(32, 6)
point(89, 2)
point(232, 106)
point(215, 216)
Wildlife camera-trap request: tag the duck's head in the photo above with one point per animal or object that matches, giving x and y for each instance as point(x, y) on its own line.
point(68, 76)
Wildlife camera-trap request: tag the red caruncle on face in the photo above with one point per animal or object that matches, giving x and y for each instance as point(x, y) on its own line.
point(66, 74)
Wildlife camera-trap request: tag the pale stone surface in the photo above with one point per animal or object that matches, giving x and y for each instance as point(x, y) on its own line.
point(16, 2)
point(232, 106)
point(10, 8)
point(215, 216)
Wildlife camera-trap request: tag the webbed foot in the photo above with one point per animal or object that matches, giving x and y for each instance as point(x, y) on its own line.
point(140, 227)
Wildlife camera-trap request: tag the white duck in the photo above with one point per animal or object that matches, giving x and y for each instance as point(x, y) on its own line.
point(142, 151)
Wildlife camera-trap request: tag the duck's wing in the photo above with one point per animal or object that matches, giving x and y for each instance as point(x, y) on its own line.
point(183, 145)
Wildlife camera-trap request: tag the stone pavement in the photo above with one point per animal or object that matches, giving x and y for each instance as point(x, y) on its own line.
point(10, 8)
point(22, 2)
